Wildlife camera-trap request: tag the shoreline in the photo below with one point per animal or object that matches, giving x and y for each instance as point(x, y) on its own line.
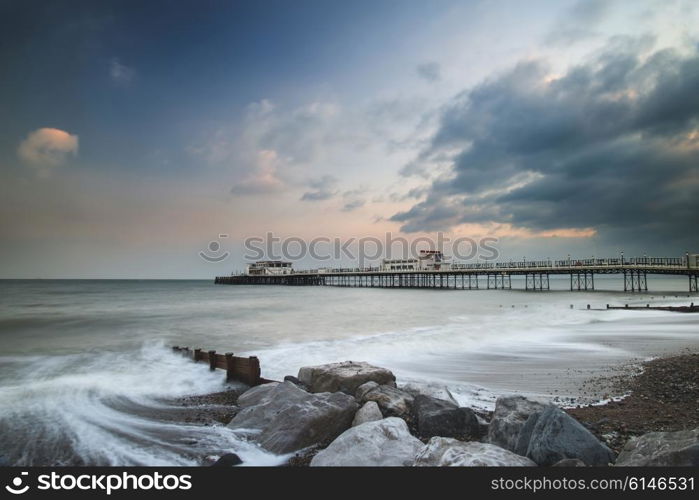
point(662, 396)
point(657, 395)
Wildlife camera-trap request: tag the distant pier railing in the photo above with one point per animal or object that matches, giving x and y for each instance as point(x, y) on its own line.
point(489, 275)
point(245, 370)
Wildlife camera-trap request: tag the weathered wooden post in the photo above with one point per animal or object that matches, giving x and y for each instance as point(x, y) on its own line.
point(197, 354)
point(212, 360)
point(230, 366)
point(254, 368)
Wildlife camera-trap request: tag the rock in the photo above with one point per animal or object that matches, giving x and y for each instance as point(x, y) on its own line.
point(569, 462)
point(288, 418)
point(346, 376)
point(448, 452)
point(525, 434)
point(256, 395)
point(367, 413)
point(433, 390)
point(227, 460)
point(392, 401)
point(386, 442)
point(679, 448)
point(510, 415)
point(438, 417)
point(557, 435)
point(295, 381)
point(363, 389)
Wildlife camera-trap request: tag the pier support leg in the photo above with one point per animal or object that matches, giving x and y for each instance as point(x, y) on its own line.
point(693, 283)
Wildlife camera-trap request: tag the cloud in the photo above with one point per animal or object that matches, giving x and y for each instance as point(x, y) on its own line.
point(430, 71)
point(48, 147)
point(579, 22)
point(263, 179)
point(120, 73)
point(611, 145)
point(317, 140)
point(353, 205)
point(354, 199)
point(321, 189)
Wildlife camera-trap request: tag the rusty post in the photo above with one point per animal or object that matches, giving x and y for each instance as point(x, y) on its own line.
point(212, 360)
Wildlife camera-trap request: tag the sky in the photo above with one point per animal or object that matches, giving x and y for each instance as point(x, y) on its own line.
point(135, 134)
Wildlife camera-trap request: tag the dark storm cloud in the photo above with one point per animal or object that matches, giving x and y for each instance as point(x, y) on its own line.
point(611, 145)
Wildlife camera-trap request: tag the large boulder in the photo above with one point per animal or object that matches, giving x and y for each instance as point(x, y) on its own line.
point(557, 435)
point(510, 415)
point(393, 402)
point(525, 434)
point(438, 417)
point(368, 413)
point(569, 462)
point(287, 418)
point(256, 395)
point(437, 391)
point(448, 452)
point(363, 389)
point(228, 460)
point(680, 448)
point(386, 442)
point(346, 376)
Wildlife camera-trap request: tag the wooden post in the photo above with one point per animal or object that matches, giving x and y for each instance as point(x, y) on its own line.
point(230, 367)
point(254, 371)
point(197, 354)
point(212, 360)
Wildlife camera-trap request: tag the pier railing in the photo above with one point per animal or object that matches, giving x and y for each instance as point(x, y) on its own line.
point(495, 275)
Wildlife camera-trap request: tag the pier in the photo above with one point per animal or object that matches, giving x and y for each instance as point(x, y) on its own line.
point(492, 275)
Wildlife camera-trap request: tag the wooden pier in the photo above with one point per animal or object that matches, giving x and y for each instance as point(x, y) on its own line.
point(496, 276)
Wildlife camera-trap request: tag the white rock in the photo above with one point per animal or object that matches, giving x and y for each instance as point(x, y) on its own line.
point(288, 418)
point(256, 395)
point(510, 415)
point(368, 413)
point(346, 376)
point(679, 448)
point(448, 452)
point(384, 442)
point(363, 389)
point(392, 401)
point(437, 391)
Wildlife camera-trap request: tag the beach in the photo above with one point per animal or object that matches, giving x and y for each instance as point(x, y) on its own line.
point(89, 376)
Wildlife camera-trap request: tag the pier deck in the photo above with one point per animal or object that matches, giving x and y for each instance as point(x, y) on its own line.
point(490, 276)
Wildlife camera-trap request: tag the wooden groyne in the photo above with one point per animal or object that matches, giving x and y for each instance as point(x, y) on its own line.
point(245, 370)
point(684, 309)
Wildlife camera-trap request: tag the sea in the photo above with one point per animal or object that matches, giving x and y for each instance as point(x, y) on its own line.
point(87, 367)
